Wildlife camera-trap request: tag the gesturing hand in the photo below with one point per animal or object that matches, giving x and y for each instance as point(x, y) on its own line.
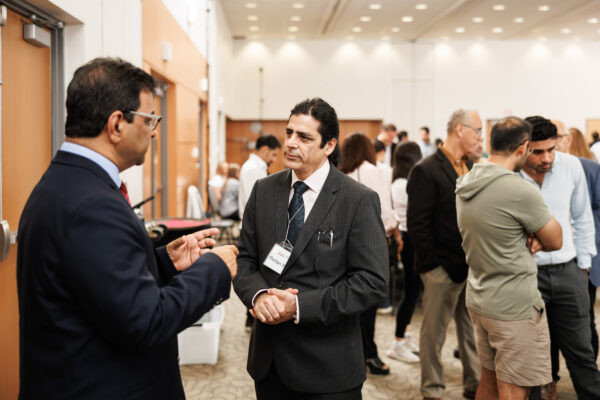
point(186, 249)
point(229, 256)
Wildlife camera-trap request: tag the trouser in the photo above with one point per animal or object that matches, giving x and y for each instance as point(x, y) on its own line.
point(412, 287)
point(563, 288)
point(367, 327)
point(592, 292)
point(442, 300)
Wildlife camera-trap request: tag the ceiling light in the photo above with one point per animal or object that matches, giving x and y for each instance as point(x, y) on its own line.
point(460, 29)
point(499, 7)
point(477, 20)
point(375, 6)
point(598, 31)
point(250, 5)
point(566, 31)
point(395, 29)
point(407, 18)
point(252, 18)
point(497, 30)
point(295, 18)
point(253, 28)
point(365, 19)
point(293, 29)
point(592, 20)
point(385, 38)
point(298, 5)
point(544, 8)
point(421, 6)
point(357, 29)
point(519, 20)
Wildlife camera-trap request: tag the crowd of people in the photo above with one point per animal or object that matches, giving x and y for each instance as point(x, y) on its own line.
point(506, 247)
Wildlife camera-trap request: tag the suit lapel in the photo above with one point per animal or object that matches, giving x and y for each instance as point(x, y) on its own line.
point(282, 196)
point(325, 200)
point(446, 166)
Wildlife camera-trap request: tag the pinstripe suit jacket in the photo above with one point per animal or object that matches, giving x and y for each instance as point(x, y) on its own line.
point(336, 281)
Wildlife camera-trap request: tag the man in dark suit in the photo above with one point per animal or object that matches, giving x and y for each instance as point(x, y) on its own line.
point(387, 136)
point(99, 307)
point(440, 259)
point(313, 256)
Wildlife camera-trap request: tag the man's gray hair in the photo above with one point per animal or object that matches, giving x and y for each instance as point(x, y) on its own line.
point(460, 116)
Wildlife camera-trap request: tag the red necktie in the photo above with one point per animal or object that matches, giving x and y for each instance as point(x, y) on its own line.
point(124, 192)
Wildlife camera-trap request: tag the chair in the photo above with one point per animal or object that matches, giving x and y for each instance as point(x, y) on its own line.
point(194, 207)
point(228, 227)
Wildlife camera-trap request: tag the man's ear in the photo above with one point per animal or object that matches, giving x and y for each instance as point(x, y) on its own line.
point(330, 146)
point(522, 149)
point(113, 126)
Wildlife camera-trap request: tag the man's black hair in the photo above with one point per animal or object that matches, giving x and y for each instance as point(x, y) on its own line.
point(329, 126)
point(268, 140)
point(99, 88)
point(510, 133)
point(542, 128)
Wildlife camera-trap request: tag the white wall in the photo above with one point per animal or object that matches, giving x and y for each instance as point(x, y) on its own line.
point(108, 28)
point(193, 18)
point(414, 84)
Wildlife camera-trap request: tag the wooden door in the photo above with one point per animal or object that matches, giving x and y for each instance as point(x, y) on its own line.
point(153, 179)
point(592, 125)
point(26, 153)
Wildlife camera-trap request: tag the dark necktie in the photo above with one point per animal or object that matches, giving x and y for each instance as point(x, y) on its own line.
point(124, 192)
point(296, 211)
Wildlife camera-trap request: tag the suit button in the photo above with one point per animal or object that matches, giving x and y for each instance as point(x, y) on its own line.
point(280, 284)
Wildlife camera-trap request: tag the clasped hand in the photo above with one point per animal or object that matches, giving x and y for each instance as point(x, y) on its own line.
point(275, 306)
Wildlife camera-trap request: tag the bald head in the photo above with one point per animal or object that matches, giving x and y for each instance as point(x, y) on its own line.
point(564, 139)
point(461, 117)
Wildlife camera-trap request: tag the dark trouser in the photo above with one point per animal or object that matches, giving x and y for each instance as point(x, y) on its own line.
point(412, 287)
point(592, 292)
point(367, 328)
point(567, 304)
point(272, 388)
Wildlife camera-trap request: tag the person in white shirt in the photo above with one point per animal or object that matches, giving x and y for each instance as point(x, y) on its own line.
point(266, 151)
point(358, 162)
point(387, 170)
point(218, 180)
point(427, 148)
point(229, 201)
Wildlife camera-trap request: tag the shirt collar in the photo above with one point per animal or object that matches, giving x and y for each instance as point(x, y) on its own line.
point(111, 169)
point(317, 179)
point(259, 161)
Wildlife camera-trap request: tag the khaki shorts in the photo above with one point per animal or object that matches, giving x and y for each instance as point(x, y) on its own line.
point(517, 351)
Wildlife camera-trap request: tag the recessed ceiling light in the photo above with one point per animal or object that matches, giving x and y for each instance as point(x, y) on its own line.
point(407, 18)
point(357, 29)
point(385, 38)
point(477, 19)
point(592, 20)
point(544, 8)
point(295, 18)
point(365, 18)
point(497, 30)
point(375, 6)
point(519, 20)
point(421, 6)
point(460, 29)
point(252, 18)
point(250, 5)
point(499, 7)
point(395, 29)
point(543, 39)
point(566, 31)
point(293, 29)
point(298, 5)
point(598, 31)
point(254, 28)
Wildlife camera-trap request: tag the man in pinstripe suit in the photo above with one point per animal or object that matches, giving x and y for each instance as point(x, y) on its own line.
point(313, 256)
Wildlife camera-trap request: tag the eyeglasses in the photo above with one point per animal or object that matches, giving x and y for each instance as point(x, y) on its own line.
point(151, 119)
point(478, 130)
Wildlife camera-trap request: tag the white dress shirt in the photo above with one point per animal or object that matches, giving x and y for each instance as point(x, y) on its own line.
point(400, 202)
point(315, 183)
point(374, 178)
point(252, 170)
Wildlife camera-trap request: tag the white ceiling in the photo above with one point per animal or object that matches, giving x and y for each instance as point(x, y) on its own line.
point(452, 19)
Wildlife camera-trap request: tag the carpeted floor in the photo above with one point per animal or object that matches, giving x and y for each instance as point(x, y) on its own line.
point(228, 379)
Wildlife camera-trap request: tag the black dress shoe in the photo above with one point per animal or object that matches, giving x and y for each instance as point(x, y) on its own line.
point(469, 395)
point(376, 366)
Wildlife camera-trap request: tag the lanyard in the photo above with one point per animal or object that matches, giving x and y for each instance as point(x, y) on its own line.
point(286, 241)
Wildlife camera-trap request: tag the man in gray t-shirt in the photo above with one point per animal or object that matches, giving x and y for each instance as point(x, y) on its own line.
point(503, 220)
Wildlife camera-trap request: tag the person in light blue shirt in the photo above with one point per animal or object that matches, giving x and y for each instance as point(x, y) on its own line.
point(563, 274)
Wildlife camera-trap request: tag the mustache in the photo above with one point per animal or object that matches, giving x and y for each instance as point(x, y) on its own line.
point(292, 153)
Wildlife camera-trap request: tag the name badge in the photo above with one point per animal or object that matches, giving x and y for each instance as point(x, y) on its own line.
point(278, 257)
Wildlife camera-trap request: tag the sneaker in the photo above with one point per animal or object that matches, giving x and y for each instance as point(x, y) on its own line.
point(410, 344)
point(400, 351)
point(384, 310)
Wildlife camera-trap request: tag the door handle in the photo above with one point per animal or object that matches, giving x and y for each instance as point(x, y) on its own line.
point(5, 239)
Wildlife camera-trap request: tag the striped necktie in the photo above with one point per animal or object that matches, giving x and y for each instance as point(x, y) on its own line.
point(124, 192)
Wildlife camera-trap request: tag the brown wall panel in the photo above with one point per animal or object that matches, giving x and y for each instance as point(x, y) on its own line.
point(592, 125)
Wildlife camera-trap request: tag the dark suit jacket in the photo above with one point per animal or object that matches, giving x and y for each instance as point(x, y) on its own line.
point(99, 309)
point(431, 217)
point(323, 353)
point(592, 175)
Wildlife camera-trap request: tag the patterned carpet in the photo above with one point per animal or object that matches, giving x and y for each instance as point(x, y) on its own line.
point(228, 379)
